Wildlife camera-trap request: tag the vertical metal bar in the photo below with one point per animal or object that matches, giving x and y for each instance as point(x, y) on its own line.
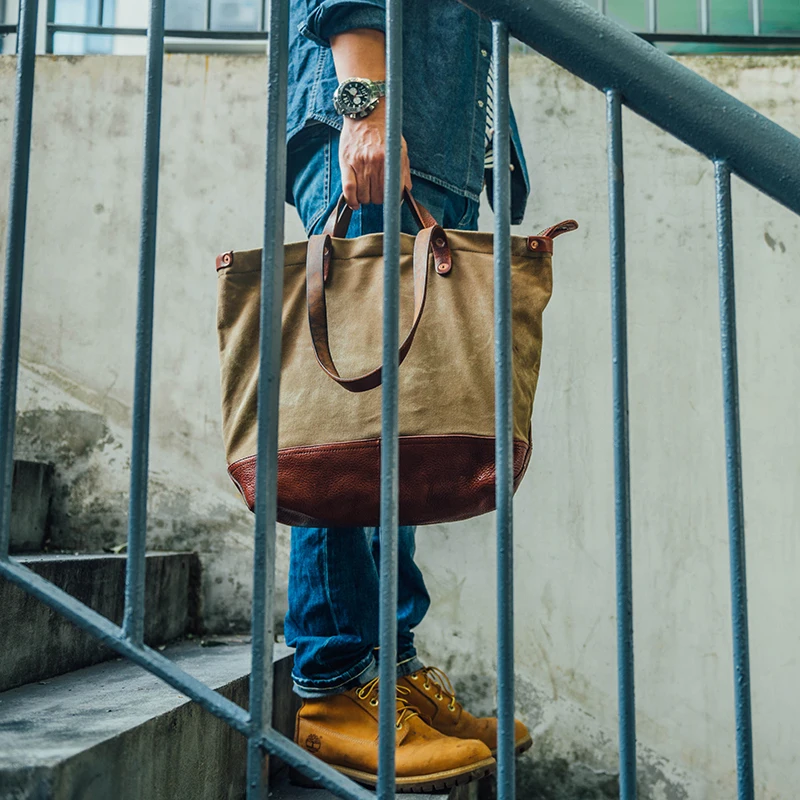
point(268, 398)
point(705, 17)
point(733, 458)
point(2, 20)
point(757, 16)
point(504, 417)
point(207, 16)
point(133, 622)
point(389, 404)
point(15, 257)
point(622, 480)
point(652, 16)
point(602, 6)
point(49, 36)
point(262, 14)
point(100, 9)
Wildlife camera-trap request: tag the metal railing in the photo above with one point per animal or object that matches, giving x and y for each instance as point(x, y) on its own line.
point(704, 32)
point(654, 32)
point(99, 28)
point(630, 73)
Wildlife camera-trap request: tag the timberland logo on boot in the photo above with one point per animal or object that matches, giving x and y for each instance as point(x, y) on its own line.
point(313, 743)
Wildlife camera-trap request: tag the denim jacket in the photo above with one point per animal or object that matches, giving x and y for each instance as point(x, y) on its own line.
point(446, 56)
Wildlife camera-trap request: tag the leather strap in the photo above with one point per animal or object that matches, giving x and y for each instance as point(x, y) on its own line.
point(429, 240)
point(339, 220)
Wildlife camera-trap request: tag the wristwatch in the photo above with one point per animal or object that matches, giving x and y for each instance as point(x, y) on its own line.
point(357, 97)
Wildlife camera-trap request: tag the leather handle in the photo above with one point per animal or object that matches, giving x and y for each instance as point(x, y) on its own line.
point(339, 220)
point(429, 240)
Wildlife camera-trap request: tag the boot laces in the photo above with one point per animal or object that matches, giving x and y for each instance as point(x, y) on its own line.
point(369, 691)
point(442, 683)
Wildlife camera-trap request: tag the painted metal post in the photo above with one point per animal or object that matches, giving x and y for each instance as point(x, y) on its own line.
point(504, 417)
point(652, 16)
point(49, 38)
point(207, 16)
point(133, 623)
point(622, 481)
point(15, 258)
point(659, 88)
point(705, 17)
point(389, 404)
point(266, 503)
point(733, 460)
point(602, 6)
point(100, 12)
point(757, 11)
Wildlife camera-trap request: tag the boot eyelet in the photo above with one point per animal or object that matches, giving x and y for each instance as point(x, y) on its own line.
point(373, 702)
point(438, 696)
point(399, 726)
point(426, 686)
point(414, 677)
point(451, 707)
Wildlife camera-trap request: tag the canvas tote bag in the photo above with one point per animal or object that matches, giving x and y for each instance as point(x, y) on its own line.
point(330, 400)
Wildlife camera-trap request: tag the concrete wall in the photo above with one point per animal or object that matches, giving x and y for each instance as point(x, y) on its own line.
point(78, 354)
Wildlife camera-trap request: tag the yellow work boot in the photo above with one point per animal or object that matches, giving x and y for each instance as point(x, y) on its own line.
point(432, 693)
point(342, 730)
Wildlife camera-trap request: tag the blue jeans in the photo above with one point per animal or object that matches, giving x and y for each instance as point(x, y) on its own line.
point(332, 621)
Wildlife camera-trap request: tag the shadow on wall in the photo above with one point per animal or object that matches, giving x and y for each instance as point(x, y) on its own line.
point(89, 507)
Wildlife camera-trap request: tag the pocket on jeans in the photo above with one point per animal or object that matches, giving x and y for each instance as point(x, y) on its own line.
point(469, 219)
point(309, 173)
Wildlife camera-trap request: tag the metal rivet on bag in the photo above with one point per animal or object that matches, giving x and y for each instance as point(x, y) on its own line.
point(227, 259)
point(533, 244)
point(440, 242)
point(443, 267)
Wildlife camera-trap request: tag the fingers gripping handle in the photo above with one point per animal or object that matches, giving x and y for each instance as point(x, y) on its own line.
point(430, 240)
point(339, 220)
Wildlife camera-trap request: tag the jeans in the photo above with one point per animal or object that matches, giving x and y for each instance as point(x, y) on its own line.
point(332, 621)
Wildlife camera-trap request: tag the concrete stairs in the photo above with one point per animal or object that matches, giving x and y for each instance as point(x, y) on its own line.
point(79, 723)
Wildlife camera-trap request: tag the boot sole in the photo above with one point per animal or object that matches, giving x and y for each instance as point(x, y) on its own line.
point(519, 747)
point(436, 781)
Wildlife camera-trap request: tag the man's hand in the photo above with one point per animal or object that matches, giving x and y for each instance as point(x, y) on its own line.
point(362, 154)
point(360, 53)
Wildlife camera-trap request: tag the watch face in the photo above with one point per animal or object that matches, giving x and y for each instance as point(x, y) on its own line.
point(354, 96)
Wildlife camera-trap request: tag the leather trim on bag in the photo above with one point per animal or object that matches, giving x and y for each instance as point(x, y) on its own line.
point(450, 477)
point(429, 240)
point(543, 243)
point(224, 260)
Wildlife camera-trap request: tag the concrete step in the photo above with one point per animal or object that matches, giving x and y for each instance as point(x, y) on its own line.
point(282, 789)
point(37, 643)
point(31, 493)
point(115, 731)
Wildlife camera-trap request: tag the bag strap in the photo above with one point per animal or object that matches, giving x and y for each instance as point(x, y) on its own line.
point(320, 249)
point(339, 220)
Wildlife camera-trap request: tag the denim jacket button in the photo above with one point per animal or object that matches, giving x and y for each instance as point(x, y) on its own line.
point(484, 52)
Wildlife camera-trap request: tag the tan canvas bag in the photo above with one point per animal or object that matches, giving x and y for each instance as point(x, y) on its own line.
point(330, 425)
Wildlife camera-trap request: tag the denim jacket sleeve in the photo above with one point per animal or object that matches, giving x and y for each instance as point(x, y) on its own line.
point(330, 17)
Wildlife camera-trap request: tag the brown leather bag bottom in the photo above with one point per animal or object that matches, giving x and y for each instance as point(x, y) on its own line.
point(457, 471)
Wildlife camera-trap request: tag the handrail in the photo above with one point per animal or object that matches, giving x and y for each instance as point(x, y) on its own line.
point(655, 86)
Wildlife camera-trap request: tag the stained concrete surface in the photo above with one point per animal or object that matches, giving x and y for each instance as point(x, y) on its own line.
point(37, 643)
point(282, 789)
point(115, 731)
point(31, 495)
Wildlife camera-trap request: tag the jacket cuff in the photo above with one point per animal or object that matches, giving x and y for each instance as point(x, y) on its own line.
point(333, 17)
